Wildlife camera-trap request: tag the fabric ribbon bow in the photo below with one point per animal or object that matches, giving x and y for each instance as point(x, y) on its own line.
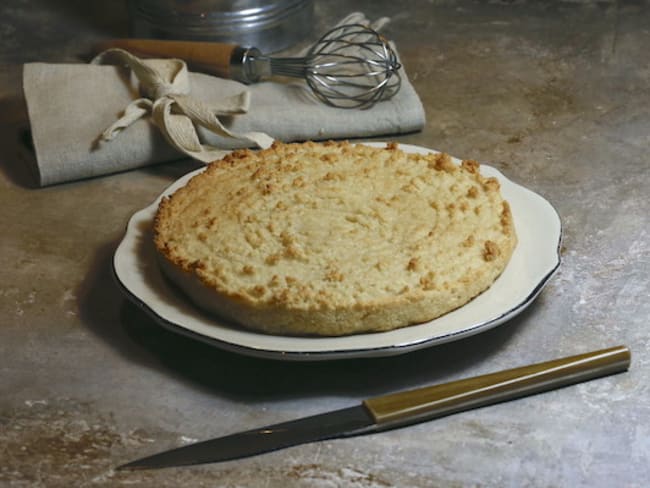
point(165, 86)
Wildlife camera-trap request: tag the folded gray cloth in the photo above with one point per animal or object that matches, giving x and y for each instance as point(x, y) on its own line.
point(70, 106)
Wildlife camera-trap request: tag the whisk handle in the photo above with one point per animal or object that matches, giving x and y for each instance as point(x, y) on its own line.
point(210, 57)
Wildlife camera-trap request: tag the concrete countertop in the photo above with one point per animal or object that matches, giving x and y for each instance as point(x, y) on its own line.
point(554, 94)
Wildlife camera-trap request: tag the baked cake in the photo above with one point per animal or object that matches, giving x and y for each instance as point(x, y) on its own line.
point(334, 238)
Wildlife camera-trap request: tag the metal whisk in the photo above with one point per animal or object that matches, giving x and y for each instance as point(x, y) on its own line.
point(351, 66)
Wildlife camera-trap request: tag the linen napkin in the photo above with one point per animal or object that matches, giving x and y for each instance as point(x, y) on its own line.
point(94, 119)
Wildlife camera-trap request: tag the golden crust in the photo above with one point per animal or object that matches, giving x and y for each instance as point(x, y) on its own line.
point(334, 238)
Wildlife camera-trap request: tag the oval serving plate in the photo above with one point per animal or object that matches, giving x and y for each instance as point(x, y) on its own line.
point(533, 262)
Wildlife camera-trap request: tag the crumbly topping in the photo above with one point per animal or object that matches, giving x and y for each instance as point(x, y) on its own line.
point(377, 237)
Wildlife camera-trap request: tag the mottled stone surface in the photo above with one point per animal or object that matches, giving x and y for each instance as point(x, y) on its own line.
point(555, 94)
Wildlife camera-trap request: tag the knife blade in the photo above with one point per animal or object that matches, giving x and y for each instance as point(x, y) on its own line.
point(398, 409)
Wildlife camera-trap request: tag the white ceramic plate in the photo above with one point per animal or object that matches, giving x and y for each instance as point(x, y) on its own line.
point(534, 261)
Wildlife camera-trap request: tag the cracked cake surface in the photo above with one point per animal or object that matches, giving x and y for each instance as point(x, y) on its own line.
point(334, 238)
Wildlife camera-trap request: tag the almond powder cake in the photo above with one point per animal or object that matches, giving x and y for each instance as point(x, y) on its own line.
point(334, 238)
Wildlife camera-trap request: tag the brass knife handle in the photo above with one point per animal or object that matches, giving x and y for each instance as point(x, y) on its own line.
point(439, 400)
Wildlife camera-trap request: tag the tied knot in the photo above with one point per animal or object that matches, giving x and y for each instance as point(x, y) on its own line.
point(165, 87)
point(162, 77)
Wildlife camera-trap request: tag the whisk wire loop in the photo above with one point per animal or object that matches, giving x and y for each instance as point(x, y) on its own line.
point(352, 66)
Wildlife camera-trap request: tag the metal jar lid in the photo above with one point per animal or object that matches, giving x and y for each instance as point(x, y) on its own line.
point(269, 25)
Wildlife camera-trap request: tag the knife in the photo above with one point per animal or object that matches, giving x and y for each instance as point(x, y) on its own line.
point(398, 409)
